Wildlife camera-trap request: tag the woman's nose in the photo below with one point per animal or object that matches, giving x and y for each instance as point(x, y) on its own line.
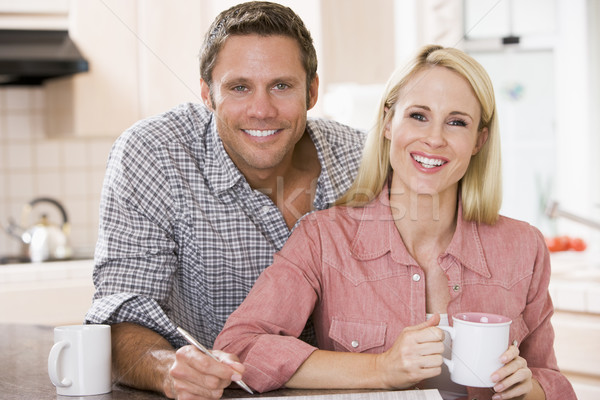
point(435, 137)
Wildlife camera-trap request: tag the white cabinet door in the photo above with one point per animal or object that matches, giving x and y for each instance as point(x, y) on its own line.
point(105, 100)
point(170, 34)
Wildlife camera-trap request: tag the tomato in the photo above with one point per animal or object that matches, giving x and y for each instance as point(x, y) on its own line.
point(564, 243)
point(553, 244)
point(577, 244)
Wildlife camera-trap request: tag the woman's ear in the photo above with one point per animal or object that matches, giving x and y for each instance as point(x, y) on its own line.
point(482, 137)
point(387, 131)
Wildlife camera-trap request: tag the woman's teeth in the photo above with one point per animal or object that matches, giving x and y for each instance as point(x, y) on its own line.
point(428, 162)
point(259, 133)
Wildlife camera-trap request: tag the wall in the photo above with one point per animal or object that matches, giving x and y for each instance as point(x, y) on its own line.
point(31, 165)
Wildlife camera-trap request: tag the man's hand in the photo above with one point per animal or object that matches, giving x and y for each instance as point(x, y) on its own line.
point(194, 375)
point(145, 360)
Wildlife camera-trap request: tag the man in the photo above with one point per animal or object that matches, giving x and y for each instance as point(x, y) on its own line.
point(197, 200)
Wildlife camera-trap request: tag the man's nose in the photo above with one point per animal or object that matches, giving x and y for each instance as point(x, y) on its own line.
point(262, 105)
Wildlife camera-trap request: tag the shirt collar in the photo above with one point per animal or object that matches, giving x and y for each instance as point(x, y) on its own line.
point(221, 172)
point(325, 194)
point(466, 245)
point(377, 235)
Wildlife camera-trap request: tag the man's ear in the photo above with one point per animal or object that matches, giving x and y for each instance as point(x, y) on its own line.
point(205, 94)
point(313, 93)
point(482, 137)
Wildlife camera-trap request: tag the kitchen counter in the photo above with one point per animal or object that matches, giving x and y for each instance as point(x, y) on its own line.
point(52, 293)
point(24, 374)
point(60, 293)
point(575, 281)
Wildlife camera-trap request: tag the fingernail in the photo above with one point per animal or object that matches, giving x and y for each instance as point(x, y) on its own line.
point(503, 359)
point(495, 378)
point(496, 397)
point(499, 387)
point(236, 377)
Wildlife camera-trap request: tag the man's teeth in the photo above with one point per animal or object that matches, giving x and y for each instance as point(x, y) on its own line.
point(428, 162)
point(259, 133)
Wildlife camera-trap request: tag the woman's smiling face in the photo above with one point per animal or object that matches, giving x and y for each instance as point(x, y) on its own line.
point(434, 132)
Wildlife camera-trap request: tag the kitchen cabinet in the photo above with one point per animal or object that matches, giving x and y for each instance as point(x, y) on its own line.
point(34, 14)
point(170, 36)
point(103, 101)
point(143, 60)
point(577, 347)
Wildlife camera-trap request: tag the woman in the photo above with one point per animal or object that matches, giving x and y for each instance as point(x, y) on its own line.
point(415, 240)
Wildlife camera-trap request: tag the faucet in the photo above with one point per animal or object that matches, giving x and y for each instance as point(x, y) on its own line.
point(553, 210)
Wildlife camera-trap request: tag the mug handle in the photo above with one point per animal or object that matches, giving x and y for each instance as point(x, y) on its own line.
point(452, 333)
point(53, 364)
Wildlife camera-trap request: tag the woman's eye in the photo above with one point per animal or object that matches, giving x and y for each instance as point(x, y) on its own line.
point(417, 116)
point(458, 122)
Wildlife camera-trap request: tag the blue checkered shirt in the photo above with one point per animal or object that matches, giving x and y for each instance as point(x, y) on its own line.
point(182, 235)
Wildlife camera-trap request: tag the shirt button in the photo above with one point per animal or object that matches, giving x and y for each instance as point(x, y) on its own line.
point(354, 343)
point(264, 209)
point(416, 277)
point(456, 288)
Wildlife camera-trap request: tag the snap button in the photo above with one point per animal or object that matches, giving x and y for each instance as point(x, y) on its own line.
point(456, 288)
point(416, 277)
point(354, 343)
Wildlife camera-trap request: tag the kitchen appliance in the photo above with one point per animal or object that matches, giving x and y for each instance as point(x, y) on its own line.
point(43, 241)
point(29, 57)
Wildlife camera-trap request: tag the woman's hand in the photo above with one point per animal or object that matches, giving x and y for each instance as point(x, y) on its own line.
point(416, 355)
point(514, 379)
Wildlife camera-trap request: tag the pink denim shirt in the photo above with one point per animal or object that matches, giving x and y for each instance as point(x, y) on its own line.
point(348, 270)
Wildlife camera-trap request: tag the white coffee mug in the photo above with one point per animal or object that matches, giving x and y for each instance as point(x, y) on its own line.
point(478, 341)
point(79, 363)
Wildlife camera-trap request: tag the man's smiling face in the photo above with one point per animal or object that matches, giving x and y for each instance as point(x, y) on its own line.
point(259, 98)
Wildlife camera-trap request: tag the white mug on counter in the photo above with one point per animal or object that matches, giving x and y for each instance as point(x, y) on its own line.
point(478, 341)
point(79, 363)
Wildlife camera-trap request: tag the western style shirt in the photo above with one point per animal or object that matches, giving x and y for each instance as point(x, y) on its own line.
point(182, 234)
point(348, 270)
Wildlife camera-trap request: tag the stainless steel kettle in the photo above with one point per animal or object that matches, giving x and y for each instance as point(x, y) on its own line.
point(44, 241)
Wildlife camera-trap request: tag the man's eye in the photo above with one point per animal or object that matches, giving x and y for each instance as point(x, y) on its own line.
point(281, 86)
point(417, 116)
point(239, 88)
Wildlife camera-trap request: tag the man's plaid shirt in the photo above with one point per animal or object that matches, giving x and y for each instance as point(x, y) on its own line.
point(182, 235)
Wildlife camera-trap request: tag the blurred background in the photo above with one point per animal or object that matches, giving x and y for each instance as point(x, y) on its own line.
point(142, 55)
point(139, 58)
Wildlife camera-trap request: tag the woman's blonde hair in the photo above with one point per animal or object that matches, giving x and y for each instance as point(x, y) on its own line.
point(481, 186)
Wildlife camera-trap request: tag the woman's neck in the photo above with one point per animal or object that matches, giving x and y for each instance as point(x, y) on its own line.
point(426, 222)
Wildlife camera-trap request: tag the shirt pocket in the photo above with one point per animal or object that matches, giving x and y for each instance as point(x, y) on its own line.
point(357, 336)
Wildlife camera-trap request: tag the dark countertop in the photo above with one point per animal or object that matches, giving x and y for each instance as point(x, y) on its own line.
point(24, 351)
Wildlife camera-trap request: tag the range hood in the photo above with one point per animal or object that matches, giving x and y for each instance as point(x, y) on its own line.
point(28, 57)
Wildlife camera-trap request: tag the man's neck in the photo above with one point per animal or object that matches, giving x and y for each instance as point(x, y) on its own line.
point(292, 185)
